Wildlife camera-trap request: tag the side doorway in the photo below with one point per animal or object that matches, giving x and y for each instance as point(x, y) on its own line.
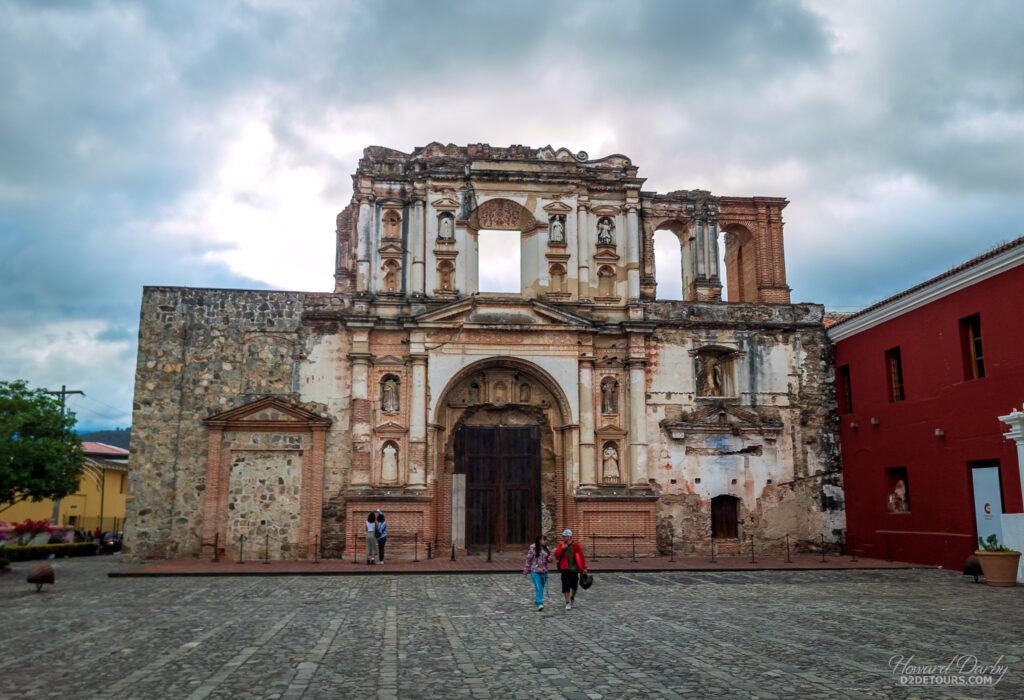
point(502, 468)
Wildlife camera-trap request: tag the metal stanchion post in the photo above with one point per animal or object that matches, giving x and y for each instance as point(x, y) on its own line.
point(713, 550)
point(266, 550)
point(788, 560)
point(453, 551)
point(216, 546)
point(593, 546)
point(823, 547)
point(241, 543)
point(416, 547)
point(752, 559)
point(355, 546)
point(488, 551)
point(316, 549)
point(671, 547)
point(428, 549)
point(634, 547)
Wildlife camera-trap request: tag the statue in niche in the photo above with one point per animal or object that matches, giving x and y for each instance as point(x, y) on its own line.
point(389, 464)
point(610, 464)
point(524, 393)
point(445, 230)
point(391, 281)
point(389, 395)
point(604, 231)
point(445, 273)
point(474, 393)
point(609, 397)
point(557, 230)
point(500, 393)
point(710, 376)
point(898, 501)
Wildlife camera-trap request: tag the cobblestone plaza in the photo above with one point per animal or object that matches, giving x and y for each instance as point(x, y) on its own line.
point(749, 634)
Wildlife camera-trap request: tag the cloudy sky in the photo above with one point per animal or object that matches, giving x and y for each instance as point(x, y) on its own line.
point(212, 143)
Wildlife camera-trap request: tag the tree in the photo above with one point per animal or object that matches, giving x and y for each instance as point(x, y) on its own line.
point(40, 455)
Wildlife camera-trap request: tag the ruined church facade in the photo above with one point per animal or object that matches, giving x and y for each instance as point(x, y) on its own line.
point(481, 419)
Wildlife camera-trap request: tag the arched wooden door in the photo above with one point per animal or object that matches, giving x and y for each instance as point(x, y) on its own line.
point(502, 468)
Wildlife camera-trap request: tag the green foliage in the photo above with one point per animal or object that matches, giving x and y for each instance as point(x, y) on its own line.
point(40, 455)
point(43, 551)
point(992, 545)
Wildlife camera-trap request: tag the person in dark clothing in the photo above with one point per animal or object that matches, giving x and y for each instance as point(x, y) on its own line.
point(571, 563)
point(382, 535)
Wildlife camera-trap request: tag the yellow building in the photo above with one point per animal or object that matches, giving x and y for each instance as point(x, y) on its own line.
point(99, 502)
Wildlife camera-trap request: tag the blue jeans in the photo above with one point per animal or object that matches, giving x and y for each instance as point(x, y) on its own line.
point(539, 581)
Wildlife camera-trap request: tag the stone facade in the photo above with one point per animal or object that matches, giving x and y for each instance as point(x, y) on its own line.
point(285, 417)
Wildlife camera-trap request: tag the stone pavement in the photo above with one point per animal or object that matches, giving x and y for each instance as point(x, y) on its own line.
point(734, 634)
point(229, 566)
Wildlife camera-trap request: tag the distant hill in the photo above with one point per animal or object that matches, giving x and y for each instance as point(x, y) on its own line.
point(117, 438)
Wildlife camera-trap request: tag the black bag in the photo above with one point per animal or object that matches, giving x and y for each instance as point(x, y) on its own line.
point(586, 581)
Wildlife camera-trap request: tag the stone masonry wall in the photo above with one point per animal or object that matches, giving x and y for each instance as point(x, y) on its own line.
point(201, 352)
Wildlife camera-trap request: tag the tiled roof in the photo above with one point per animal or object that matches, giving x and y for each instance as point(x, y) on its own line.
point(945, 275)
point(102, 449)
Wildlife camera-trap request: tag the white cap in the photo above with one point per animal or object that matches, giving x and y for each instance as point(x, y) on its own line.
point(566, 532)
point(380, 511)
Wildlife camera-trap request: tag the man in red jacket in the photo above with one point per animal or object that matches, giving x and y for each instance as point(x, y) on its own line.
point(571, 563)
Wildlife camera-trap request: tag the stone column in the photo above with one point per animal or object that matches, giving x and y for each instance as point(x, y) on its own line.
point(588, 474)
point(638, 421)
point(713, 271)
point(361, 416)
point(700, 238)
point(633, 252)
point(1013, 523)
point(363, 246)
point(312, 496)
point(459, 511)
point(583, 250)
point(417, 242)
point(418, 423)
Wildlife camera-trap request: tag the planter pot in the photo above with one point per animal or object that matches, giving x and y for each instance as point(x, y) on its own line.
point(1000, 568)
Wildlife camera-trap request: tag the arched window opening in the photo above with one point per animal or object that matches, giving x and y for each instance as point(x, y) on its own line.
point(725, 512)
point(668, 265)
point(499, 261)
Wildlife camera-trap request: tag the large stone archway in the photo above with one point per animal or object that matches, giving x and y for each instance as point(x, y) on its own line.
point(507, 394)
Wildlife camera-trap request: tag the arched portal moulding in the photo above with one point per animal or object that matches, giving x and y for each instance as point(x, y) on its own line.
point(474, 397)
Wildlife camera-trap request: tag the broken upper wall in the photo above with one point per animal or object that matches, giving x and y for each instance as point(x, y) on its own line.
point(586, 229)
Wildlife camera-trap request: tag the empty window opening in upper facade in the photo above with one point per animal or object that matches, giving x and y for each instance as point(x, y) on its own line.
point(668, 265)
point(499, 261)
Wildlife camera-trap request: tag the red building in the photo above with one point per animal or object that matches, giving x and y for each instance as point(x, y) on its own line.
point(921, 380)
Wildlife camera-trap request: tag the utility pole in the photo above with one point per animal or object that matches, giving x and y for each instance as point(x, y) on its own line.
point(63, 394)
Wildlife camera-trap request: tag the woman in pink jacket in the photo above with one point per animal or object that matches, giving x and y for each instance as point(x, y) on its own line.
point(537, 560)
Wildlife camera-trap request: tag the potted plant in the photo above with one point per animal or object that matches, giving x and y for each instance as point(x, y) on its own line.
point(998, 563)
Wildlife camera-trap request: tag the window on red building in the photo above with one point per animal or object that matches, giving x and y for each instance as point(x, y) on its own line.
point(898, 489)
point(844, 390)
point(895, 369)
point(970, 342)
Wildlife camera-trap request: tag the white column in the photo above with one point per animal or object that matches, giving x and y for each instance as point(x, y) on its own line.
point(583, 250)
point(712, 247)
point(701, 240)
point(1013, 523)
point(633, 253)
point(638, 421)
point(418, 421)
point(588, 474)
point(363, 247)
point(1016, 422)
point(417, 240)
